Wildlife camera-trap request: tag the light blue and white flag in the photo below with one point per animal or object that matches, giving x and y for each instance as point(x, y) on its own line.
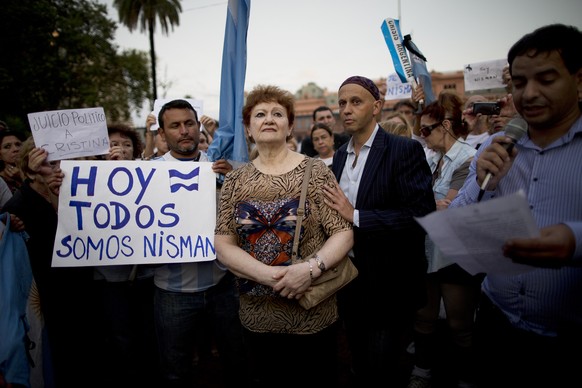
point(409, 69)
point(419, 69)
point(393, 38)
point(230, 140)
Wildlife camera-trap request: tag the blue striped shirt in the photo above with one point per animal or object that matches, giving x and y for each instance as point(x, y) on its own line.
point(543, 299)
point(188, 277)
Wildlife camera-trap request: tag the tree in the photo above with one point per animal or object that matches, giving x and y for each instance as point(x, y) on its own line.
point(59, 54)
point(145, 13)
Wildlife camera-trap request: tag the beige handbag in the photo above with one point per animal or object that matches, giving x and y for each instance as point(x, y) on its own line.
point(334, 278)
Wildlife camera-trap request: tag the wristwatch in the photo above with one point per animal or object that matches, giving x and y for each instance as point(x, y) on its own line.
point(320, 263)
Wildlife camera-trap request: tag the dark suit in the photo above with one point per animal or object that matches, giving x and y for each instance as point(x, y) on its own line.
point(389, 251)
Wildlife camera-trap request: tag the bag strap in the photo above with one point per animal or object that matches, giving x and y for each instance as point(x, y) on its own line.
point(301, 208)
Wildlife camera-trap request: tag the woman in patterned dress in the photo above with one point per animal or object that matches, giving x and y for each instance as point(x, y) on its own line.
point(289, 345)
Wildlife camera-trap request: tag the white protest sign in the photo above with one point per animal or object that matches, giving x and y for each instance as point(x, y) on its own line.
point(395, 89)
point(198, 106)
point(484, 75)
point(135, 212)
point(70, 133)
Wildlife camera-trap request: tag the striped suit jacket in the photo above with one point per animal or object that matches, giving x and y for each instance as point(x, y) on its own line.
point(396, 185)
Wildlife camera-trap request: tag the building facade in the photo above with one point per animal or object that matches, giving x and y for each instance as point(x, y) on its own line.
point(312, 96)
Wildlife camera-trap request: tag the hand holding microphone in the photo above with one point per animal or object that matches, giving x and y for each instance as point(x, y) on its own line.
point(514, 130)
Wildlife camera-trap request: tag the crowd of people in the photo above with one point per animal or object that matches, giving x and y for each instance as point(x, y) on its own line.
point(373, 174)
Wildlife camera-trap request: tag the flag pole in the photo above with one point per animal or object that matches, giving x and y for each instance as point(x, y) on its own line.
point(399, 15)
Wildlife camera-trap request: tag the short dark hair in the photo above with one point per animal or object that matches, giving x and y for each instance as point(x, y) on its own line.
point(127, 131)
point(566, 40)
point(322, 108)
point(448, 106)
point(8, 132)
point(321, 126)
point(175, 104)
point(405, 102)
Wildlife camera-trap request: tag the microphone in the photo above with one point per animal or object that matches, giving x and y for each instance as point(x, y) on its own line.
point(515, 129)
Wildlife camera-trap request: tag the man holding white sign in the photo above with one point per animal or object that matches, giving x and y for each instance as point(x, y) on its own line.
point(187, 293)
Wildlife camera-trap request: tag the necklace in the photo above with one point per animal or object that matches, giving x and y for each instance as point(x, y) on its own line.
point(355, 162)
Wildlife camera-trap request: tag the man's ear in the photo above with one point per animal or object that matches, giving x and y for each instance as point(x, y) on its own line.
point(378, 104)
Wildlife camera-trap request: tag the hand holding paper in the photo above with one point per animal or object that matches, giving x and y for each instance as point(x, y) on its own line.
point(474, 236)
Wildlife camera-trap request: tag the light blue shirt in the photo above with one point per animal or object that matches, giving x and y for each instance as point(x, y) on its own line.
point(432, 156)
point(551, 178)
point(459, 153)
point(352, 173)
point(188, 277)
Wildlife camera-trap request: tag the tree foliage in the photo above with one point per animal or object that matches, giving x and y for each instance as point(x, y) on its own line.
point(59, 54)
point(144, 13)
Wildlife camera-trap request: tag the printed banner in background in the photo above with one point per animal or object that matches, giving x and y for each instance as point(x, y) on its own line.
point(393, 38)
point(409, 70)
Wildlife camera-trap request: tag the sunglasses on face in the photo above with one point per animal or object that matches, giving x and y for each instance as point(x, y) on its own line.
point(426, 131)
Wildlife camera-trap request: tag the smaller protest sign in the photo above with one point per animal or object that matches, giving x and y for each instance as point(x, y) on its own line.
point(396, 89)
point(484, 75)
point(70, 133)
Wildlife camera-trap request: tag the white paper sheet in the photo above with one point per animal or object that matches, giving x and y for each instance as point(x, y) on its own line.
point(473, 236)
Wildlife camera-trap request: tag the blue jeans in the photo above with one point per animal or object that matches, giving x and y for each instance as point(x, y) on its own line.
point(179, 320)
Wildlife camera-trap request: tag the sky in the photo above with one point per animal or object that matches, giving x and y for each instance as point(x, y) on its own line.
point(293, 42)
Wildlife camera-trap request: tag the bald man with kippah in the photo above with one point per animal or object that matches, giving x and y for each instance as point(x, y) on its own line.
point(384, 182)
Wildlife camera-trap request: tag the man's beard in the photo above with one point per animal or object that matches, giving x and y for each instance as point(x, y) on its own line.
point(186, 151)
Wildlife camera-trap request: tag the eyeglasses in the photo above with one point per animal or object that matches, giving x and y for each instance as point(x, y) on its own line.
point(426, 131)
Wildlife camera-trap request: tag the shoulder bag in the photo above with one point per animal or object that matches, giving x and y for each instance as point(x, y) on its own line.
point(330, 281)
